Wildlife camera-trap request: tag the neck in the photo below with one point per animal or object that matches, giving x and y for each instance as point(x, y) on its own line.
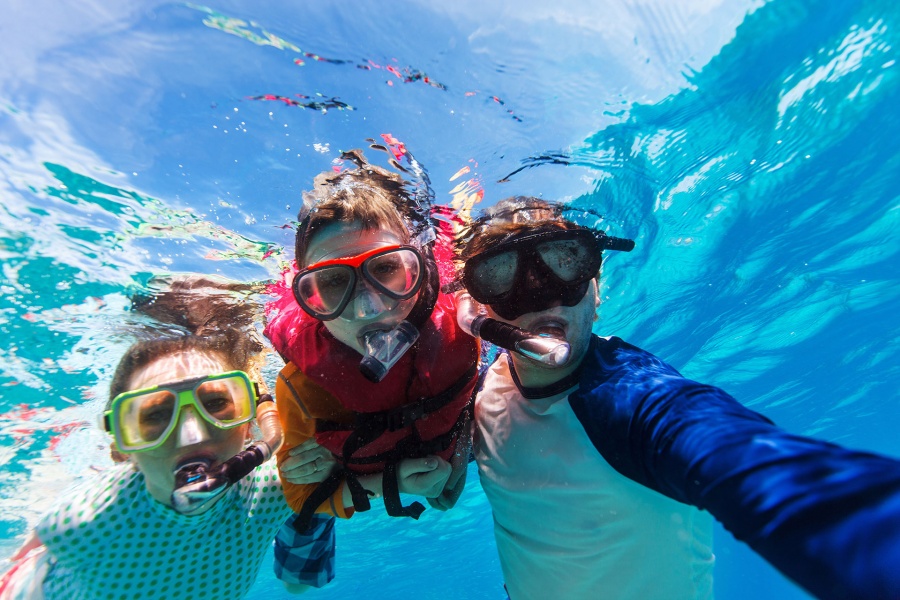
point(535, 375)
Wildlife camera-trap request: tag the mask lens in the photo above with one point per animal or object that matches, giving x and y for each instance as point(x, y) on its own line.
point(225, 402)
point(145, 419)
point(494, 276)
point(397, 272)
point(571, 260)
point(326, 291)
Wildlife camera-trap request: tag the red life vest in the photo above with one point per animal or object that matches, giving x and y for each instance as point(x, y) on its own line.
point(412, 412)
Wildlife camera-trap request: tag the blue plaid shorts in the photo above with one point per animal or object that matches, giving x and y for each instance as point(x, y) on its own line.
point(308, 557)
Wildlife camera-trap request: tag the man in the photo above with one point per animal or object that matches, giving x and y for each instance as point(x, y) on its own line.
point(569, 525)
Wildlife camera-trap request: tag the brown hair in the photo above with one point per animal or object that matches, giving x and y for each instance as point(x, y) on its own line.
point(370, 195)
point(506, 219)
point(214, 316)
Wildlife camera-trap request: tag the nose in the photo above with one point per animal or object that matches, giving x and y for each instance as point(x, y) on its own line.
point(368, 302)
point(534, 278)
point(191, 428)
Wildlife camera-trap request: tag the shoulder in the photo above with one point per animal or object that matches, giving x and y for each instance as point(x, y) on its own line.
point(264, 479)
point(619, 350)
point(297, 392)
point(613, 356)
point(113, 490)
point(497, 385)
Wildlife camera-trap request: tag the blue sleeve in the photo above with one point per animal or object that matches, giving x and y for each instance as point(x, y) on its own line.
point(827, 517)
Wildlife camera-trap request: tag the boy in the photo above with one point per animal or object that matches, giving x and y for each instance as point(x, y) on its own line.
point(827, 517)
point(566, 524)
point(375, 394)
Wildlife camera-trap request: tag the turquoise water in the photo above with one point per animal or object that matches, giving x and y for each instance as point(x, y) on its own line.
point(750, 147)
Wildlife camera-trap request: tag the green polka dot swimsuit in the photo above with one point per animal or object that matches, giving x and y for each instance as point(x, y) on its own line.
point(113, 541)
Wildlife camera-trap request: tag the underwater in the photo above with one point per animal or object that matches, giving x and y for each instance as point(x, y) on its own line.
point(748, 147)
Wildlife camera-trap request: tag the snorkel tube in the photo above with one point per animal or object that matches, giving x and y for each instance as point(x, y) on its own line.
point(197, 486)
point(545, 349)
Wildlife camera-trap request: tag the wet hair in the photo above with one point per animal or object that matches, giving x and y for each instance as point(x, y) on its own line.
point(508, 218)
point(212, 315)
point(369, 195)
point(144, 352)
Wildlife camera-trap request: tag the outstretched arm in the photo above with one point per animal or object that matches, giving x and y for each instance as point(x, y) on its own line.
point(827, 517)
point(31, 542)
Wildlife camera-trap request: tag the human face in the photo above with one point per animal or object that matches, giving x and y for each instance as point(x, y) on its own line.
point(368, 310)
point(535, 270)
point(193, 438)
point(572, 323)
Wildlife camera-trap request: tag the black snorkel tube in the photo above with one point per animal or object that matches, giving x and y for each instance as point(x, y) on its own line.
point(197, 486)
point(545, 349)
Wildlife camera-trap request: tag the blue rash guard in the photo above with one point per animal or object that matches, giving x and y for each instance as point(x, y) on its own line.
point(825, 516)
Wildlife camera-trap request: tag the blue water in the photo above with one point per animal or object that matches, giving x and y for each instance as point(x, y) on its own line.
point(751, 147)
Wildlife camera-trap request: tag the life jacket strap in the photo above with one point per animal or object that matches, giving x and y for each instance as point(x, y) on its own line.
point(325, 490)
point(408, 447)
point(391, 490)
point(322, 493)
point(358, 493)
point(404, 416)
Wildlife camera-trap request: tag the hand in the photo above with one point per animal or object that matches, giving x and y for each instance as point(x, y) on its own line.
point(423, 476)
point(459, 464)
point(307, 463)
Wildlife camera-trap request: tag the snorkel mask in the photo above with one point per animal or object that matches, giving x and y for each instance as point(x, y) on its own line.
point(145, 419)
point(523, 270)
point(325, 289)
point(534, 271)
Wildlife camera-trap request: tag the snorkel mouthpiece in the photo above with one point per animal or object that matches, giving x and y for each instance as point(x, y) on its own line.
point(385, 348)
point(197, 486)
point(542, 348)
point(546, 349)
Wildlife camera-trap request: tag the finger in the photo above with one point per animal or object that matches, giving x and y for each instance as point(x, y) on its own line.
point(292, 464)
point(426, 484)
point(436, 503)
point(444, 469)
point(450, 495)
point(458, 472)
point(310, 444)
point(303, 480)
point(310, 456)
point(437, 480)
point(413, 466)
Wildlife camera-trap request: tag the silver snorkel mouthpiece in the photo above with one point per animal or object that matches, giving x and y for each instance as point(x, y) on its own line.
point(385, 348)
point(546, 349)
point(543, 348)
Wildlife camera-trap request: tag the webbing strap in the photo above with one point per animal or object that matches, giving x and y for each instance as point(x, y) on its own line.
point(403, 416)
point(391, 490)
point(322, 493)
point(358, 493)
point(325, 490)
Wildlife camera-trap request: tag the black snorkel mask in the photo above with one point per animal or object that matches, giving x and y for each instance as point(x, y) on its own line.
point(538, 269)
